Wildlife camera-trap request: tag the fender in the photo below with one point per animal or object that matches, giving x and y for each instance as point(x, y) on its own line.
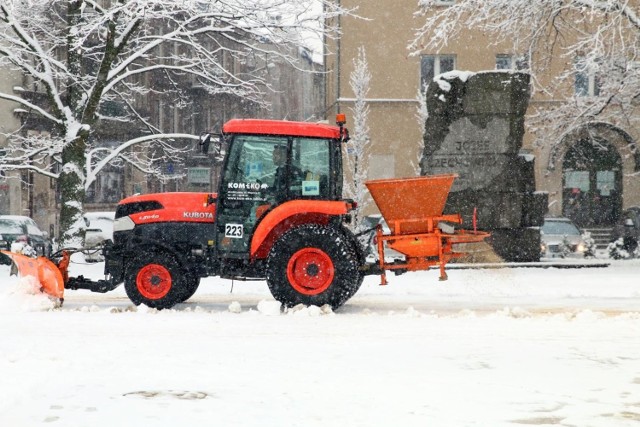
point(116, 264)
point(143, 242)
point(289, 214)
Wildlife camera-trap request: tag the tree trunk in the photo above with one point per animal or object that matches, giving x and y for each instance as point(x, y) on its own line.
point(72, 193)
point(71, 179)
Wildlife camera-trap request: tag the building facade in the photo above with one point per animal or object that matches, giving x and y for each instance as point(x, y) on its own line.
point(590, 173)
point(10, 200)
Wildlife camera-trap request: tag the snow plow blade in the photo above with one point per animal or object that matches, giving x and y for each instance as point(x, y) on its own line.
point(43, 270)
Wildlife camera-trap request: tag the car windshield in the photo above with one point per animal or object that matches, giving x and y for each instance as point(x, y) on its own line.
point(10, 227)
point(560, 227)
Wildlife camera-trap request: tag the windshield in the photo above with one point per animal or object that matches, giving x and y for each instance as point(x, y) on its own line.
point(10, 227)
point(560, 227)
point(252, 159)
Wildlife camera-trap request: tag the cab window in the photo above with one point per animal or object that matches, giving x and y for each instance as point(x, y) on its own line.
point(311, 156)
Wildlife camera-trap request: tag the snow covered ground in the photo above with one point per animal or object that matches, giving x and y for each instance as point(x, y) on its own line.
point(495, 347)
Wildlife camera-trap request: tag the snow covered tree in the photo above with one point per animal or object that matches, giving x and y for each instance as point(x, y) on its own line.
point(80, 57)
point(357, 151)
point(597, 43)
point(421, 115)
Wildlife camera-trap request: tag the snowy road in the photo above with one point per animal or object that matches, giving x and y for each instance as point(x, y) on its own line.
point(509, 347)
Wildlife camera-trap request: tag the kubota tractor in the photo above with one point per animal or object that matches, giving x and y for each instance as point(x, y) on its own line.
point(278, 215)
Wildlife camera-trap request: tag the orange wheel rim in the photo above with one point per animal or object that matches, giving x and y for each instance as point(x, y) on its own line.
point(153, 281)
point(310, 271)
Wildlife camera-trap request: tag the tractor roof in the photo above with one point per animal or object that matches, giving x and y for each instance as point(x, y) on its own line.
point(281, 127)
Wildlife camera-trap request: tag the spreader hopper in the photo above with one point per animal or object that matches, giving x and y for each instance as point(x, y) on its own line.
point(412, 208)
point(407, 204)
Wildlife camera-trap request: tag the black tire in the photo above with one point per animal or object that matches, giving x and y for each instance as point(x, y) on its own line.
point(157, 282)
point(190, 288)
point(359, 254)
point(313, 265)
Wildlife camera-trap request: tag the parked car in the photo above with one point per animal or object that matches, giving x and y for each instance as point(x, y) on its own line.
point(99, 230)
point(561, 238)
point(16, 228)
point(626, 232)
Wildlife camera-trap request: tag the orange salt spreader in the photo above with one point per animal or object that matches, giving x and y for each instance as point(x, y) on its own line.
point(412, 208)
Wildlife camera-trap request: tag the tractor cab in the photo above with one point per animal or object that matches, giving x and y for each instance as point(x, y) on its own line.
point(269, 165)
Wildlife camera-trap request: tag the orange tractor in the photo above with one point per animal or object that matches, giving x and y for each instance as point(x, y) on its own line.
point(278, 215)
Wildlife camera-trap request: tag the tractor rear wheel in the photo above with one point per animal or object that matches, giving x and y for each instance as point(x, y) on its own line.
point(157, 282)
point(358, 253)
point(313, 265)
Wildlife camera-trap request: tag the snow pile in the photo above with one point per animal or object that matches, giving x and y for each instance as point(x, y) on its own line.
point(23, 248)
point(22, 294)
point(235, 307)
point(310, 311)
point(269, 308)
point(274, 308)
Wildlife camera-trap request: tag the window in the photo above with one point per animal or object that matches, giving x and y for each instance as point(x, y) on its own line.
point(560, 228)
point(311, 156)
point(111, 108)
point(109, 184)
point(512, 62)
point(32, 228)
point(587, 82)
point(605, 182)
point(578, 181)
point(107, 188)
point(432, 65)
point(252, 159)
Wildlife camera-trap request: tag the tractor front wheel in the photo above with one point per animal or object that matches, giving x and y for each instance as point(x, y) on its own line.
point(157, 282)
point(313, 265)
point(191, 286)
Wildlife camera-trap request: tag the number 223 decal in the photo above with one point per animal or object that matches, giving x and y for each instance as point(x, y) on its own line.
point(234, 231)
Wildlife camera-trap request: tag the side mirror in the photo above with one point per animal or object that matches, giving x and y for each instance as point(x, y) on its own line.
point(210, 199)
point(205, 141)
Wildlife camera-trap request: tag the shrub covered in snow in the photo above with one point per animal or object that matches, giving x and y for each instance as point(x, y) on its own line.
point(621, 249)
point(589, 245)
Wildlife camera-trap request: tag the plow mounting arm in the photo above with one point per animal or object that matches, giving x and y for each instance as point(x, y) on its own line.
point(81, 282)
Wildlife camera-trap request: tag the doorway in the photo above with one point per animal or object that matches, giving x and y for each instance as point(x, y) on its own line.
point(592, 183)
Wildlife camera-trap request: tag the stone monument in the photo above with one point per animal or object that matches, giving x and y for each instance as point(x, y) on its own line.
point(475, 129)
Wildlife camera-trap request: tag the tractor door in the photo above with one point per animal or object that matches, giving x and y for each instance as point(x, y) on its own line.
point(263, 171)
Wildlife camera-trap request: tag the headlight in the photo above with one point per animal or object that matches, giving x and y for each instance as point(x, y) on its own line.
point(580, 247)
point(543, 247)
point(124, 223)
